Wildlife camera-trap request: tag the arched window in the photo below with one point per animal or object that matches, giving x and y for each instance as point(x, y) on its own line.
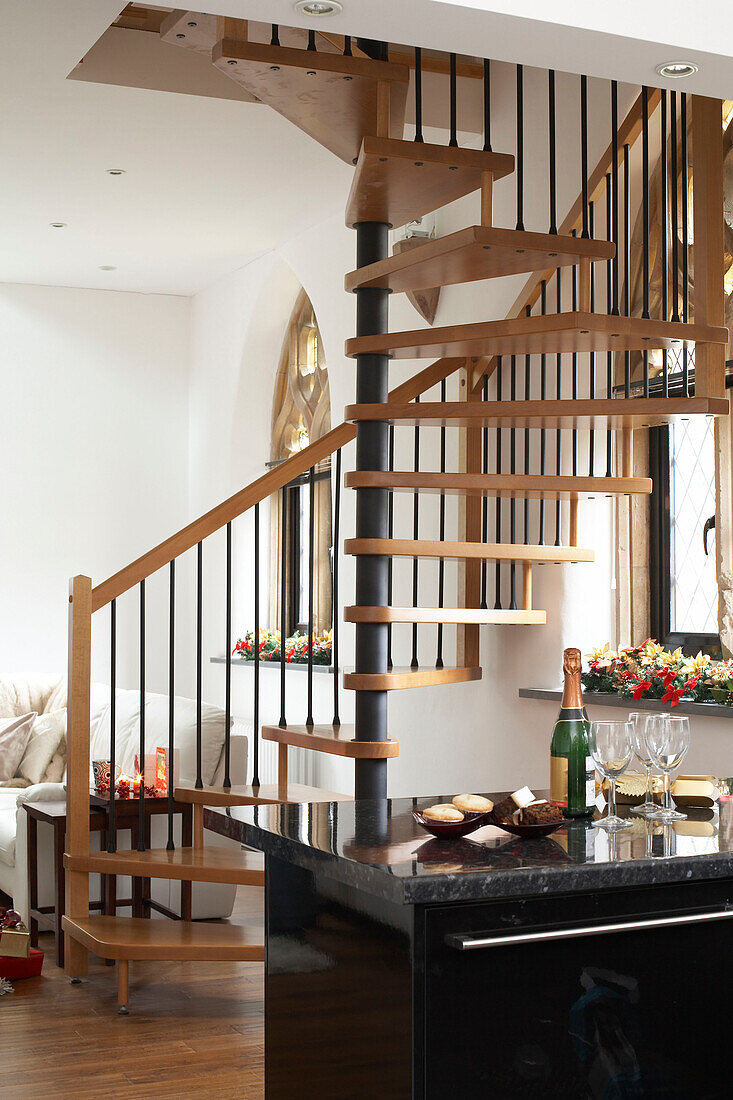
point(301, 414)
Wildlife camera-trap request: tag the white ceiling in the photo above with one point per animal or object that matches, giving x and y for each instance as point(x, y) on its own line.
point(211, 182)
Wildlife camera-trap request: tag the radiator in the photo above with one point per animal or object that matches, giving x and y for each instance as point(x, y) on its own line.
point(301, 762)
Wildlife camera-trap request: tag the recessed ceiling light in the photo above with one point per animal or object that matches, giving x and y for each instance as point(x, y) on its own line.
point(57, 225)
point(115, 171)
point(318, 8)
point(677, 69)
point(107, 267)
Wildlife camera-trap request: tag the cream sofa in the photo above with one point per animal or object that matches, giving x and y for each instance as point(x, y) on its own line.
point(44, 695)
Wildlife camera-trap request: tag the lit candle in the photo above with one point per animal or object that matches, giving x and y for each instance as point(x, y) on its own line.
point(136, 783)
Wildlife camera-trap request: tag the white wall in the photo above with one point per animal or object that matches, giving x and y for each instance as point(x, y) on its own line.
point(94, 458)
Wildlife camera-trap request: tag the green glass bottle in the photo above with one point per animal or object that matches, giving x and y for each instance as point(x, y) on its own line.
point(572, 771)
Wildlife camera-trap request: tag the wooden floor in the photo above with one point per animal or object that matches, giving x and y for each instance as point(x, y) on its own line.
point(195, 1029)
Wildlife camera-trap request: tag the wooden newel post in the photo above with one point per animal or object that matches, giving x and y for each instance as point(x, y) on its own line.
point(77, 783)
point(708, 248)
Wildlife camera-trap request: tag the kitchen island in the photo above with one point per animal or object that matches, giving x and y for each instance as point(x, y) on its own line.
point(578, 965)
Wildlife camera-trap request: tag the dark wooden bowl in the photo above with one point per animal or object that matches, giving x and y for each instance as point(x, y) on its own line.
point(525, 831)
point(471, 822)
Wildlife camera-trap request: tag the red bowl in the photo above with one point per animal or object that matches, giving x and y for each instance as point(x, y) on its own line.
point(471, 822)
point(516, 829)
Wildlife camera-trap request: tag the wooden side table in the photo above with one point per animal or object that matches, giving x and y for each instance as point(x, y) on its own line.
point(126, 817)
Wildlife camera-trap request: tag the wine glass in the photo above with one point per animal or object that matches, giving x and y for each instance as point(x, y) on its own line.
point(643, 724)
point(668, 742)
point(611, 746)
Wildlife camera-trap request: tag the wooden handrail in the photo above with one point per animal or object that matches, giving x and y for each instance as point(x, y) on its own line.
point(628, 133)
point(257, 491)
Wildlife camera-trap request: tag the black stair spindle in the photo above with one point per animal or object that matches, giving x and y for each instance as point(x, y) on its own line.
point(592, 354)
point(335, 588)
point(199, 656)
point(390, 533)
point(574, 366)
point(525, 470)
point(609, 305)
point(347, 45)
point(111, 831)
point(418, 94)
point(415, 535)
point(441, 535)
point(627, 264)
point(543, 397)
point(256, 694)
point(487, 105)
point(558, 395)
point(675, 215)
point(614, 194)
point(283, 597)
point(520, 147)
point(584, 152)
point(685, 242)
point(664, 232)
point(141, 745)
point(311, 40)
point(485, 499)
point(513, 470)
point(171, 697)
point(645, 219)
point(228, 665)
point(453, 102)
point(497, 502)
point(311, 562)
point(552, 149)
point(275, 36)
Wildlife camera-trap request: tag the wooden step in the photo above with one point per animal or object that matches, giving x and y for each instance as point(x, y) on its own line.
point(478, 252)
point(468, 551)
point(554, 334)
point(267, 794)
point(207, 864)
point(399, 181)
point(400, 677)
point(481, 616)
point(599, 413)
point(336, 740)
point(332, 98)
point(519, 486)
point(137, 938)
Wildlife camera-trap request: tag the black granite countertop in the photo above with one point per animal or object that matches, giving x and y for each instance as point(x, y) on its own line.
point(377, 846)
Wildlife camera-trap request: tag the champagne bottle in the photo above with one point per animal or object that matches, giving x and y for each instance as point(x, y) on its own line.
point(572, 771)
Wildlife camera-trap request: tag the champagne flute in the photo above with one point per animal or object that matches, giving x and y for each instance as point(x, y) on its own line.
point(668, 742)
point(643, 724)
point(611, 746)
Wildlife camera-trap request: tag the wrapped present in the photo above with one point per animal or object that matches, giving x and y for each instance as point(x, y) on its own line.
point(15, 943)
point(14, 969)
point(695, 790)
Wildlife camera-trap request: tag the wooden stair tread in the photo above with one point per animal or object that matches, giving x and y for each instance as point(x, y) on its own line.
point(555, 333)
point(600, 412)
point(519, 486)
point(211, 863)
point(478, 252)
point(466, 551)
point(137, 938)
point(398, 181)
point(331, 97)
point(481, 616)
point(400, 677)
point(336, 740)
point(267, 794)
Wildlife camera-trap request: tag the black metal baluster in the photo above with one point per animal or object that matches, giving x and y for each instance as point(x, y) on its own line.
point(311, 40)
point(574, 366)
point(553, 150)
point(441, 535)
point(275, 36)
point(415, 534)
point(543, 396)
point(335, 588)
point(663, 229)
point(645, 219)
point(675, 224)
point(256, 699)
point(520, 147)
point(685, 244)
point(592, 354)
point(311, 556)
point(171, 697)
point(627, 264)
point(199, 656)
point(525, 470)
point(228, 665)
point(283, 597)
point(347, 45)
point(584, 152)
point(111, 830)
point(558, 395)
point(390, 534)
point(484, 499)
point(487, 105)
point(614, 193)
point(141, 744)
point(453, 102)
point(609, 307)
point(418, 94)
point(512, 502)
point(497, 502)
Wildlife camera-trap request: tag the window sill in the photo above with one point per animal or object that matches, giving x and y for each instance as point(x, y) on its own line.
point(290, 666)
point(605, 699)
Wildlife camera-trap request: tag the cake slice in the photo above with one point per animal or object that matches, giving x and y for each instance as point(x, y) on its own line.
point(540, 812)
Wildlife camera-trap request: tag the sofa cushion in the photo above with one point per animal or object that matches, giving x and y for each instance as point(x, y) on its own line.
point(127, 738)
point(7, 833)
point(45, 742)
point(14, 737)
point(20, 695)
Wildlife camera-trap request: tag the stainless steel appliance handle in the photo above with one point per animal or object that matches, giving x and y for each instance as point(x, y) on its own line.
point(471, 943)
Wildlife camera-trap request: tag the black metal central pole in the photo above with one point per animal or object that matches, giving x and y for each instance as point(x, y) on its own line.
point(372, 571)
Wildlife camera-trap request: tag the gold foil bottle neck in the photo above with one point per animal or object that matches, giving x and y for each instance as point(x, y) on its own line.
point(572, 696)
